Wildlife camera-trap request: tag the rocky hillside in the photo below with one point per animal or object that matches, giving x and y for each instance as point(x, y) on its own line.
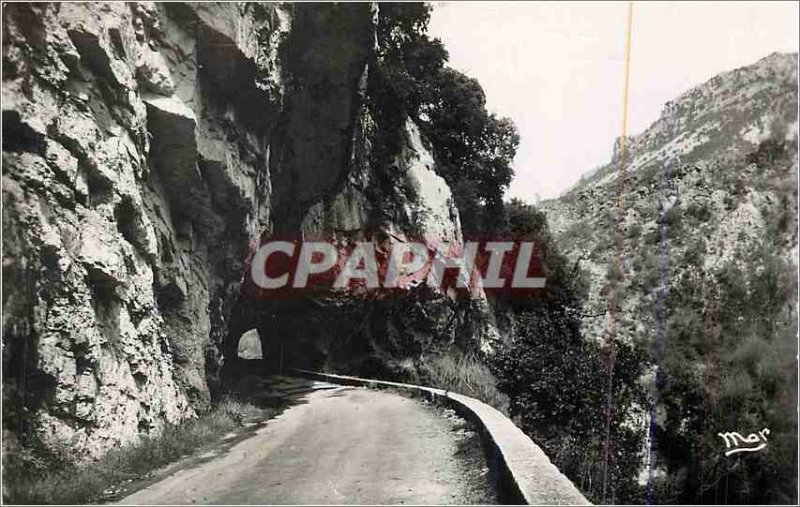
point(707, 289)
point(719, 167)
point(146, 149)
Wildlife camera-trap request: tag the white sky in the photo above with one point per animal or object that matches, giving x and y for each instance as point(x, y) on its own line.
point(557, 68)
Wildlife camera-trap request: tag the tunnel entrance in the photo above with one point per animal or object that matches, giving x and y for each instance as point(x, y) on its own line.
point(349, 335)
point(250, 346)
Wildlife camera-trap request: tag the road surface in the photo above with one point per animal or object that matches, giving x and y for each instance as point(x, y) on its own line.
point(339, 446)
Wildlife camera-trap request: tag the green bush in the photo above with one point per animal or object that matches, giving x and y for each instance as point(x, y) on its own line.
point(464, 374)
point(557, 383)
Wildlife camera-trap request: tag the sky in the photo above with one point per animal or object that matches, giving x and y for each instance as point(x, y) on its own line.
point(557, 69)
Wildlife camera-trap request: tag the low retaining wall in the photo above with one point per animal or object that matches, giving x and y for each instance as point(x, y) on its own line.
point(520, 469)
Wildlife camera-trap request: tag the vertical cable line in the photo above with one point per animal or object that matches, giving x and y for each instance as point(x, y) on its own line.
point(612, 300)
point(662, 289)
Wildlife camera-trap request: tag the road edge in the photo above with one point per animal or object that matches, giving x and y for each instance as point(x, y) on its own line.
point(520, 469)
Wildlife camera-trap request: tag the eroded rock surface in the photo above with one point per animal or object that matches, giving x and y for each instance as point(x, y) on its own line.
point(146, 149)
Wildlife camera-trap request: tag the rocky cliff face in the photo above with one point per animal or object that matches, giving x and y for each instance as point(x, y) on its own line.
point(146, 148)
point(718, 168)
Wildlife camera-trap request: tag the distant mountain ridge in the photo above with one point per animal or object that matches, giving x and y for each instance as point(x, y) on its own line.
point(732, 111)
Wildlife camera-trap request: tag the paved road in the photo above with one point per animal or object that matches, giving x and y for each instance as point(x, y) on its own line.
point(339, 445)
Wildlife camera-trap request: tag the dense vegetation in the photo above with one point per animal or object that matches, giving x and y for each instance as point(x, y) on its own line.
point(558, 380)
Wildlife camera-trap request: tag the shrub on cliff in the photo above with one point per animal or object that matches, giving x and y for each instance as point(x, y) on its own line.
point(473, 148)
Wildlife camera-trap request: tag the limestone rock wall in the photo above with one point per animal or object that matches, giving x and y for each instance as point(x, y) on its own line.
point(146, 149)
point(141, 146)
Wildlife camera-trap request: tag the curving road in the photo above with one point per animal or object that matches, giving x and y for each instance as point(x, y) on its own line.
point(340, 445)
